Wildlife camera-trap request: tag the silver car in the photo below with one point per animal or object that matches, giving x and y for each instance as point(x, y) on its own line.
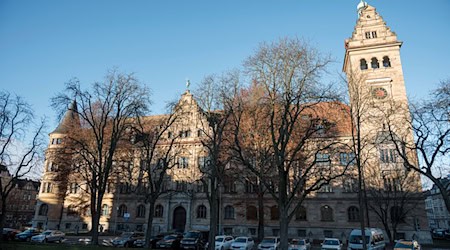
point(49, 236)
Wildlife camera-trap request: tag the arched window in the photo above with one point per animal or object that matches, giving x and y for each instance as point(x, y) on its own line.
point(274, 213)
point(122, 210)
point(363, 64)
point(374, 63)
point(397, 214)
point(386, 62)
point(201, 212)
point(71, 210)
point(43, 210)
point(105, 210)
point(159, 210)
point(252, 213)
point(353, 213)
point(140, 212)
point(327, 213)
point(229, 212)
point(301, 213)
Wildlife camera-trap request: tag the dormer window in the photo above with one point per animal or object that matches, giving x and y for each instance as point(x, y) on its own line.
point(374, 63)
point(386, 62)
point(363, 64)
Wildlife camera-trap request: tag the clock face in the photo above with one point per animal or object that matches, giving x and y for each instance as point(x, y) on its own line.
point(379, 93)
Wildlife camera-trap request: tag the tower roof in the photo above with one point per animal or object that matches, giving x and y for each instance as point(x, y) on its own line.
point(69, 120)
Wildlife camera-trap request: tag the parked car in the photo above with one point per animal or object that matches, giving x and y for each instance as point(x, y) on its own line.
point(9, 233)
point(407, 245)
point(126, 239)
point(49, 236)
point(374, 239)
point(438, 233)
point(246, 243)
point(270, 243)
point(300, 244)
point(331, 244)
point(222, 242)
point(193, 240)
point(171, 241)
point(27, 234)
point(140, 242)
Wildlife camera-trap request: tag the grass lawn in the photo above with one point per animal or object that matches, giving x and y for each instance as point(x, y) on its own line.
point(50, 246)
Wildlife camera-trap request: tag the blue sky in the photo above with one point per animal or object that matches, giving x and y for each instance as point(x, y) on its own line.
point(43, 44)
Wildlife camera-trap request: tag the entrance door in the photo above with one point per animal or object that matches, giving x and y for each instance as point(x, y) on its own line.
point(179, 219)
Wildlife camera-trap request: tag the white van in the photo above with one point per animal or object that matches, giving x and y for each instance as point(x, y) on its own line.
point(374, 239)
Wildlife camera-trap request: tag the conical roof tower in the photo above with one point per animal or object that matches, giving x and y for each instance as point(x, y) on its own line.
point(71, 119)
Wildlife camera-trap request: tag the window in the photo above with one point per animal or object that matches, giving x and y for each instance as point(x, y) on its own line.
point(388, 155)
point(397, 214)
point(250, 187)
point(43, 210)
point(347, 158)
point(229, 212)
point(328, 233)
point(252, 231)
point(199, 133)
point(374, 63)
point(370, 34)
point(228, 231)
point(68, 225)
point(392, 184)
point(122, 210)
point(73, 189)
point(386, 62)
point(105, 210)
point(363, 64)
point(327, 188)
point(56, 141)
point(374, 34)
point(140, 211)
point(301, 233)
point(326, 213)
point(181, 186)
point(169, 135)
point(274, 213)
point(229, 186)
point(350, 185)
point(46, 187)
point(159, 211)
point(322, 159)
point(201, 212)
point(367, 34)
point(353, 214)
point(201, 188)
point(71, 210)
point(252, 213)
point(185, 133)
point(183, 162)
point(300, 215)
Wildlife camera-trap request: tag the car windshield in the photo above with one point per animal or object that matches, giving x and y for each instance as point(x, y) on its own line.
point(357, 239)
point(241, 240)
point(404, 245)
point(331, 242)
point(268, 240)
point(29, 231)
point(47, 233)
point(170, 237)
point(219, 239)
point(298, 242)
point(192, 235)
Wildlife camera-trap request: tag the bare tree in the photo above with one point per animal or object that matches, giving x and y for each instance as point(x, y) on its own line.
point(215, 95)
point(393, 196)
point(430, 125)
point(106, 112)
point(20, 155)
point(296, 115)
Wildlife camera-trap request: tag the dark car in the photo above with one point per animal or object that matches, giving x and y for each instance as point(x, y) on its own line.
point(9, 233)
point(127, 239)
point(193, 240)
point(27, 234)
point(171, 241)
point(141, 241)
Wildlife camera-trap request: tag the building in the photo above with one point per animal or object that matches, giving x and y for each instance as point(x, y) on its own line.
point(372, 53)
point(438, 216)
point(20, 202)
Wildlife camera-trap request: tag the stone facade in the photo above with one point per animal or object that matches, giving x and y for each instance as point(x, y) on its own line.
point(328, 213)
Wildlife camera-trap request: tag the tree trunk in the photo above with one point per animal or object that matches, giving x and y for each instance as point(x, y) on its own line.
point(284, 226)
point(213, 220)
point(149, 231)
point(261, 215)
point(2, 216)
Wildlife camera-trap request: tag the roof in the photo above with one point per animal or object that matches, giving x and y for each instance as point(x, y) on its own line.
point(69, 120)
